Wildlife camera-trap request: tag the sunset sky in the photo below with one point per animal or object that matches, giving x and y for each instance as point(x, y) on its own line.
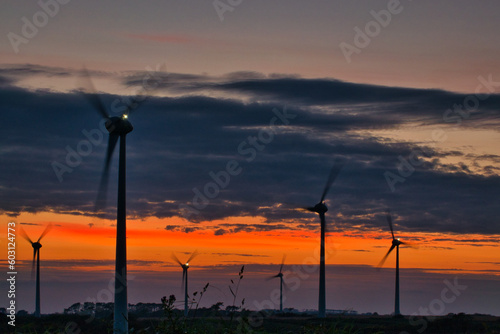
point(407, 93)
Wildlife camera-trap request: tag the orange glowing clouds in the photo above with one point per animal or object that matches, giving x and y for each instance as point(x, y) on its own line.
point(151, 245)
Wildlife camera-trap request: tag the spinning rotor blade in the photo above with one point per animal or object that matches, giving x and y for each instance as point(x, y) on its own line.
point(103, 186)
point(272, 277)
point(159, 80)
point(282, 262)
point(331, 178)
point(25, 236)
point(47, 229)
point(177, 260)
point(389, 220)
point(381, 263)
point(409, 244)
point(91, 95)
point(195, 254)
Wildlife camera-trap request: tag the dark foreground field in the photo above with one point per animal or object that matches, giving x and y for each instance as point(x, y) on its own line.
point(255, 323)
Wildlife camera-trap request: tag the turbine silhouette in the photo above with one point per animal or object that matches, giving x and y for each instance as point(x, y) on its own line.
point(321, 209)
point(395, 244)
point(118, 128)
point(185, 267)
point(36, 255)
point(280, 275)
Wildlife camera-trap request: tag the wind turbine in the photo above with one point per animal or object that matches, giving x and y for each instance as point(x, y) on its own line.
point(36, 254)
point(321, 209)
point(185, 267)
point(280, 275)
point(395, 244)
point(118, 128)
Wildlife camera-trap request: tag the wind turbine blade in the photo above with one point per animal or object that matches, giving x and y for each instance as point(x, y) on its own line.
point(381, 263)
point(25, 236)
point(103, 186)
point(272, 277)
point(47, 229)
point(177, 260)
point(195, 254)
point(91, 95)
point(282, 262)
point(389, 220)
point(159, 81)
point(410, 244)
point(331, 178)
point(33, 264)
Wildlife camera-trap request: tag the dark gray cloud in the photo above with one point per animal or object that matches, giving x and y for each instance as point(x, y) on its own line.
point(185, 229)
point(480, 240)
point(363, 100)
point(26, 70)
point(4, 81)
point(20, 71)
point(179, 144)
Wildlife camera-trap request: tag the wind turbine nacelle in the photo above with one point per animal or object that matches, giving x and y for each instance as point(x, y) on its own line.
point(36, 245)
point(320, 208)
point(396, 242)
point(119, 125)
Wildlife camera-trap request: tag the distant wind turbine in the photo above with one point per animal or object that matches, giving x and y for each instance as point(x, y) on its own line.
point(395, 244)
point(321, 209)
point(118, 128)
point(185, 267)
point(36, 254)
point(280, 275)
